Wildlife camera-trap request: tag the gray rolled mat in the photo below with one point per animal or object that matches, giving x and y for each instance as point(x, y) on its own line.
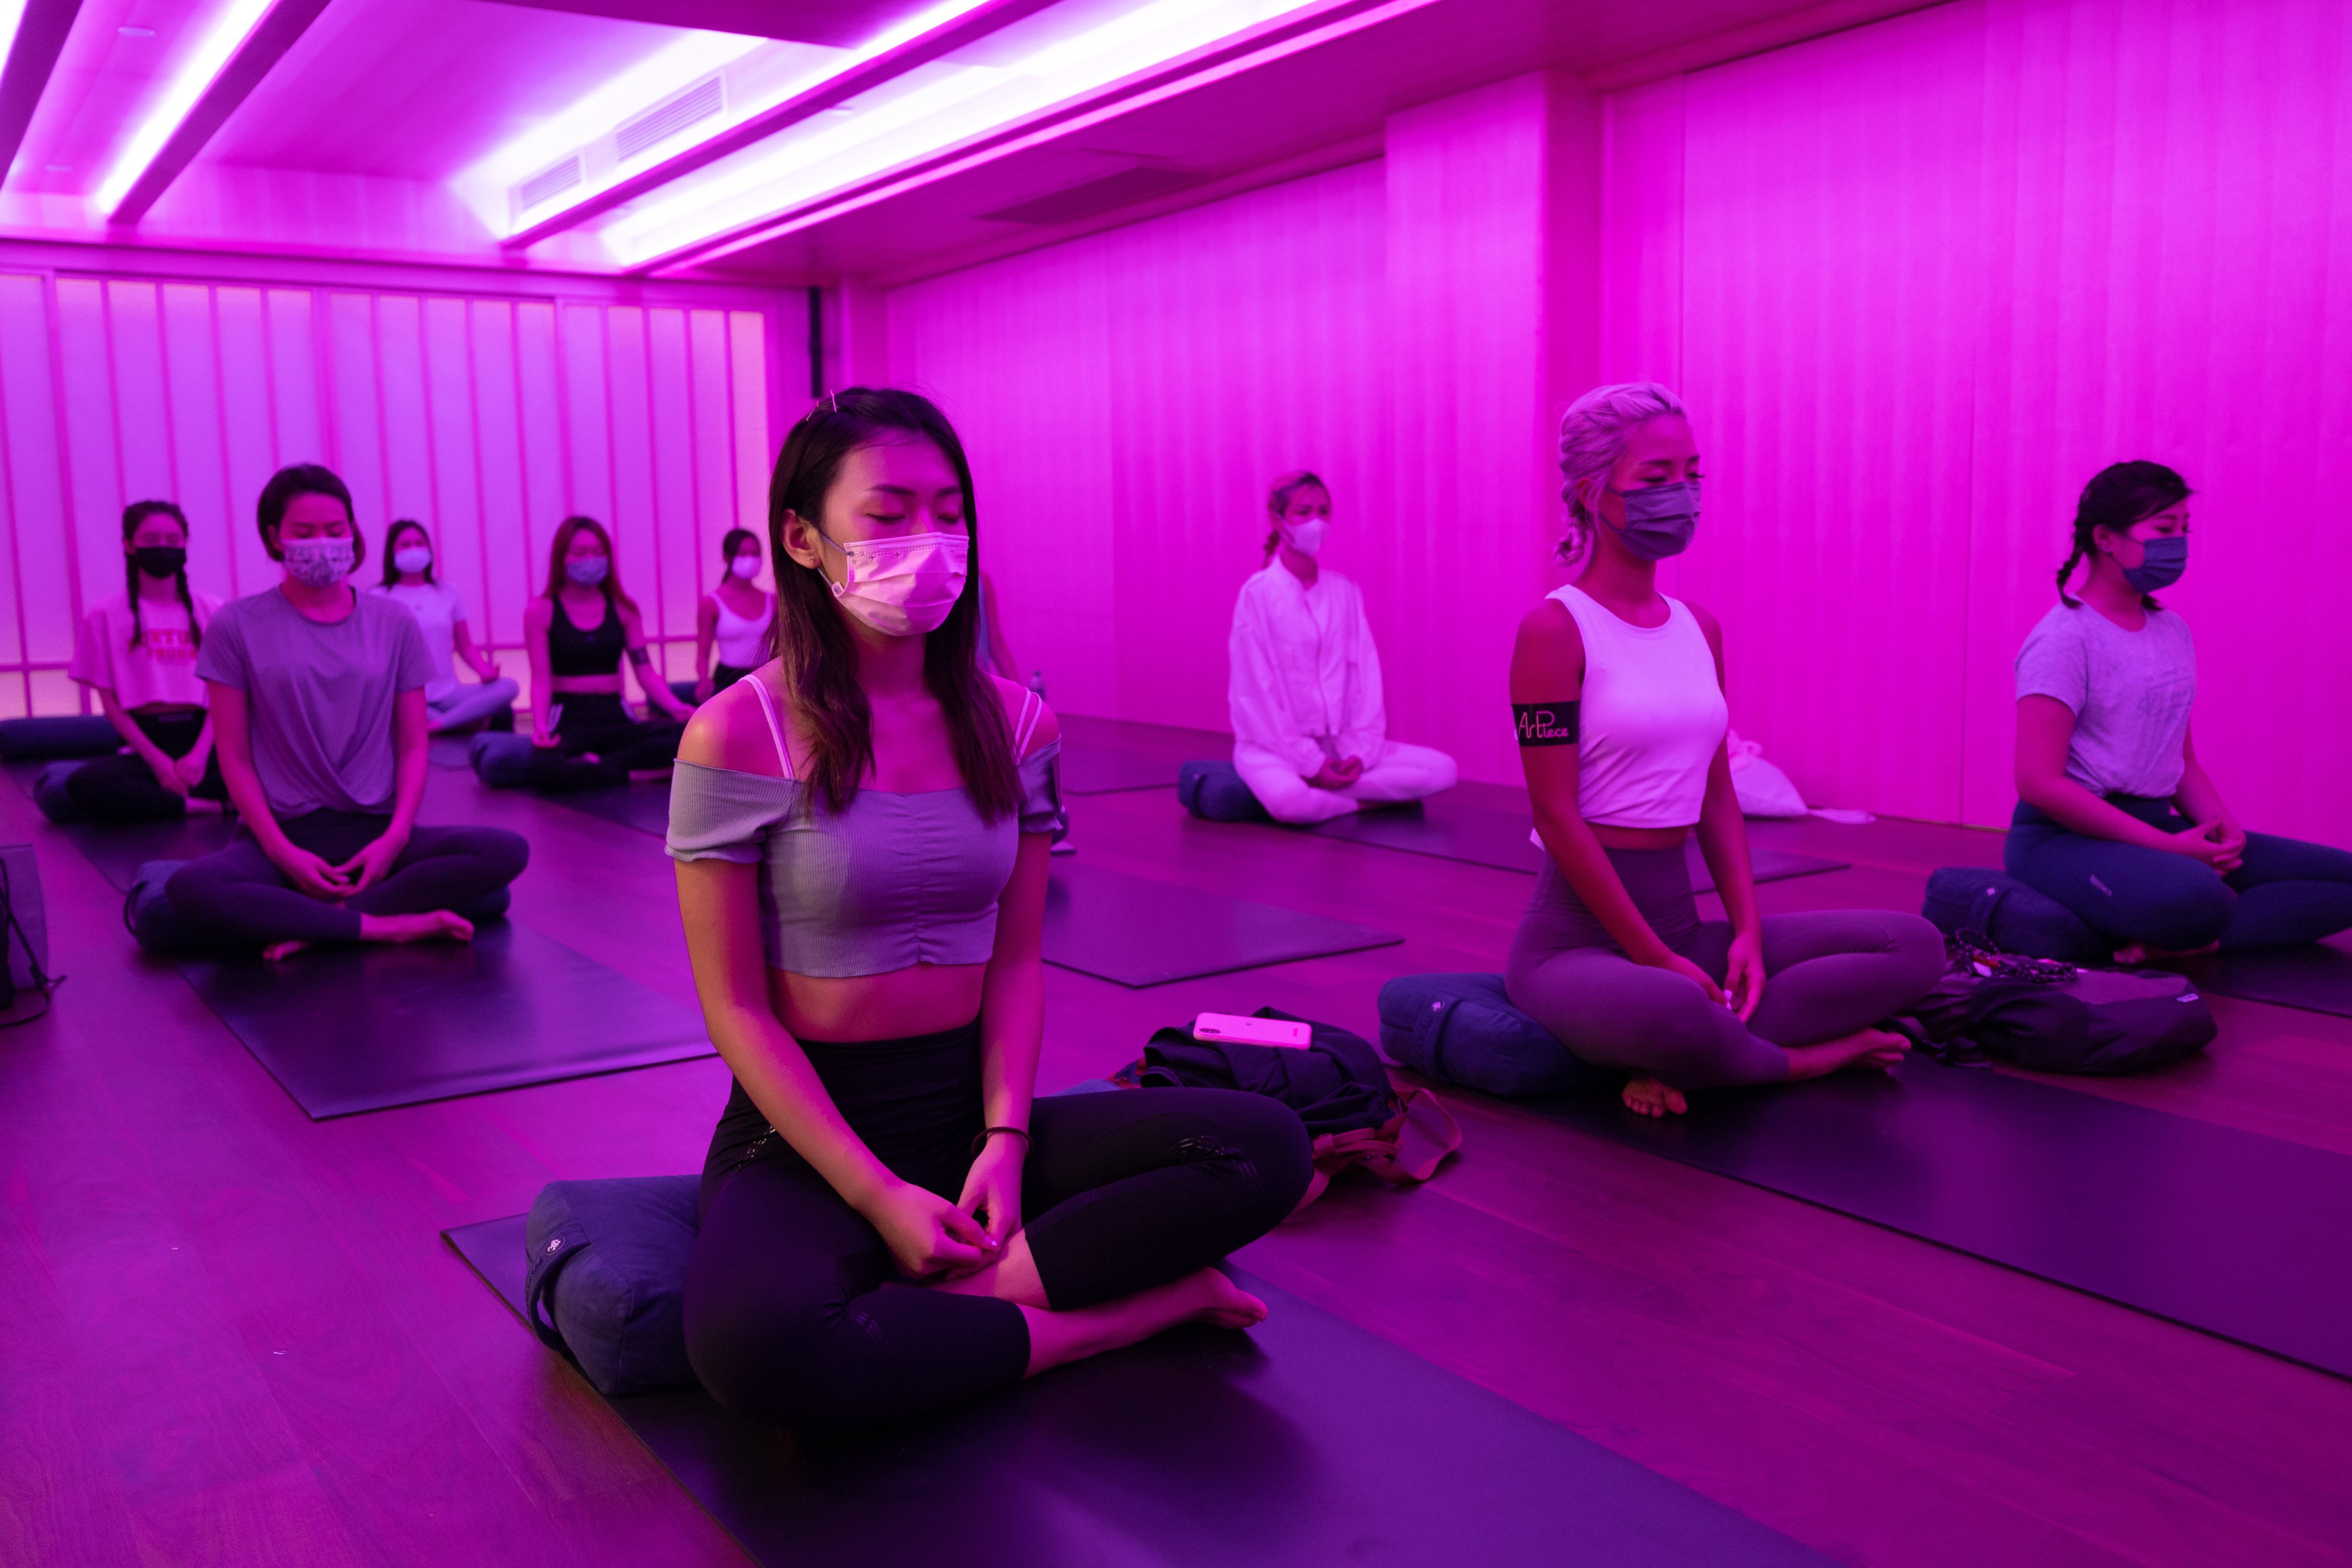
point(1451, 829)
point(365, 1026)
point(2241, 1236)
point(2315, 976)
point(1137, 932)
point(1305, 1442)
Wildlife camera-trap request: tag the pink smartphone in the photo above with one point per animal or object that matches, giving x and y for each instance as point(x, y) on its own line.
point(1224, 1026)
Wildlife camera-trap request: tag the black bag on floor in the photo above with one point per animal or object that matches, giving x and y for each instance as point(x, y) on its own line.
point(25, 981)
point(2054, 1017)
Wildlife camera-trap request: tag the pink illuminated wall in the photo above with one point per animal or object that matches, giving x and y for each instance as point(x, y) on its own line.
point(489, 417)
point(1919, 282)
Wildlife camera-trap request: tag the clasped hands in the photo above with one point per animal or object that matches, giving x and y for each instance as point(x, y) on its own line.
point(323, 879)
point(1338, 773)
point(933, 1240)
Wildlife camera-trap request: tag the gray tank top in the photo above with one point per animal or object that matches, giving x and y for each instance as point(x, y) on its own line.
point(894, 882)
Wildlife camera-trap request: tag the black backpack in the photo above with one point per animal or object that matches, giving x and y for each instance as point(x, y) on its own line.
point(2055, 1017)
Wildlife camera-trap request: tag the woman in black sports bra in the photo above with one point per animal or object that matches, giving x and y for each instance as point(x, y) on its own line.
point(576, 633)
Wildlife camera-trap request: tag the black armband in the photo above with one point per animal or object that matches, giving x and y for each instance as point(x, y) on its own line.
point(641, 657)
point(1545, 723)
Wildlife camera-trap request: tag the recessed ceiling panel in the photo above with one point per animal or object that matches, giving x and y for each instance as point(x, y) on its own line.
point(843, 23)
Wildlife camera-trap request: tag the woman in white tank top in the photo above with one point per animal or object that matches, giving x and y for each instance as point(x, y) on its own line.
point(733, 617)
point(1617, 692)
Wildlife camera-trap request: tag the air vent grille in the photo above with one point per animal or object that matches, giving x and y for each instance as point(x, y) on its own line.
point(548, 182)
point(661, 122)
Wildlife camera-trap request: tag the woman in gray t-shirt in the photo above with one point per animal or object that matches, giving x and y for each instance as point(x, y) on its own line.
point(317, 700)
point(2115, 819)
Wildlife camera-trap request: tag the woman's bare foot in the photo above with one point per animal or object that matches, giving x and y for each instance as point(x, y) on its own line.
point(1876, 1049)
point(2133, 955)
point(437, 925)
point(1203, 1296)
point(1650, 1098)
point(279, 950)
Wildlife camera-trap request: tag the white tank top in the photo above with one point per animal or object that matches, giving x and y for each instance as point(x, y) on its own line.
point(743, 643)
point(1651, 717)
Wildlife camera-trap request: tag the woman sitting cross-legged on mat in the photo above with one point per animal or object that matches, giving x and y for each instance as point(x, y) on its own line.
point(138, 652)
point(318, 702)
point(2116, 819)
point(1618, 696)
point(449, 704)
point(1310, 732)
point(577, 633)
point(732, 619)
point(889, 1224)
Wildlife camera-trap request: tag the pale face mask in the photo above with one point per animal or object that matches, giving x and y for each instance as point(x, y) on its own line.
point(318, 563)
point(1306, 536)
point(905, 586)
point(588, 571)
point(412, 557)
point(745, 567)
point(1660, 520)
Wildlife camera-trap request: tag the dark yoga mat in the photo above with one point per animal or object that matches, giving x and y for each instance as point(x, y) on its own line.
point(119, 849)
point(2231, 1233)
point(366, 1026)
point(1139, 932)
point(1306, 1441)
point(644, 806)
point(2315, 976)
point(1103, 756)
point(1461, 830)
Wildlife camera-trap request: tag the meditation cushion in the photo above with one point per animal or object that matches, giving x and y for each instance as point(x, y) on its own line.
point(608, 1264)
point(1463, 1029)
point(158, 926)
point(49, 791)
point(1214, 790)
point(2011, 916)
point(502, 759)
point(68, 735)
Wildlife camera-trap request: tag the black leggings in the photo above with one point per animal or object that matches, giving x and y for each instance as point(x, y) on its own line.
point(795, 1312)
point(123, 788)
point(597, 724)
point(238, 893)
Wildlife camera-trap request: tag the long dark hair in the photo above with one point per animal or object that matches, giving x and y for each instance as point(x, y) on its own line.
point(1277, 503)
point(820, 660)
point(2118, 496)
point(392, 548)
point(305, 479)
point(556, 577)
point(135, 514)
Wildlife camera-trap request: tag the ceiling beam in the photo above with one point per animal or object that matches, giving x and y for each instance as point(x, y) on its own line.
point(833, 91)
point(262, 49)
point(40, 38)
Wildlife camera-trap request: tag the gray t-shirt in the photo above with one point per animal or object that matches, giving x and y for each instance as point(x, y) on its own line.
point(320, 697)
point(2129, 691)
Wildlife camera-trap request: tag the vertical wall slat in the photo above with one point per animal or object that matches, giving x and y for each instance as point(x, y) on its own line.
point(245, 387)
point(192, 356)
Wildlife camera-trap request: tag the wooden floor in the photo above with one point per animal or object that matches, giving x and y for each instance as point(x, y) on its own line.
point(230, 1334)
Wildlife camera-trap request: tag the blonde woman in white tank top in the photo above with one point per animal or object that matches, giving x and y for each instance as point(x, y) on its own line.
point(1617, 693)
point(733, 618)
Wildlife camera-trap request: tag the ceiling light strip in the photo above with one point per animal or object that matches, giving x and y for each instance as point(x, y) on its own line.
point(865, 71)
point(1231, 56)
point(32, 36)
point(245, 39)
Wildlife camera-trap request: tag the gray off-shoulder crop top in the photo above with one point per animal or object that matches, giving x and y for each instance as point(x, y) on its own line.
point(894, 882)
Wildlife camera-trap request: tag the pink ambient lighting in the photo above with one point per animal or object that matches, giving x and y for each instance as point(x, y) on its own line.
point(924, 114)
point(231, 26)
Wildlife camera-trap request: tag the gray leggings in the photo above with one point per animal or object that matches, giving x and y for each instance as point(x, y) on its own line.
point(1831, 973)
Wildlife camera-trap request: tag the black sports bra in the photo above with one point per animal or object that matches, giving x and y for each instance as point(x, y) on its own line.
point(570, 651)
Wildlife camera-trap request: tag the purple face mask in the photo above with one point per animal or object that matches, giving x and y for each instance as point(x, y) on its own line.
point(1660, 520)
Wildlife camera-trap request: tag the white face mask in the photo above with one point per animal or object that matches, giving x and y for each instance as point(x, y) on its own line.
point(412, 558)
point(905, 586)
point(318, 563)
point(1307, 537)
point(745, 566)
